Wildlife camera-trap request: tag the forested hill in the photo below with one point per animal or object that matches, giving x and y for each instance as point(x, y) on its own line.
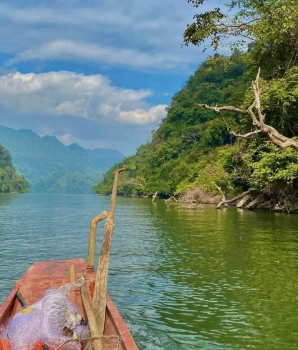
point(50, 166)
point(191, 144)
point(10, 181)
point(193, 148)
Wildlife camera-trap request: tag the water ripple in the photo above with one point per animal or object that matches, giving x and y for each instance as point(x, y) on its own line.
point(188, 280)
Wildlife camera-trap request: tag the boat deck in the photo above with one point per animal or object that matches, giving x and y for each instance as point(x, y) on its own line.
point(42, 276)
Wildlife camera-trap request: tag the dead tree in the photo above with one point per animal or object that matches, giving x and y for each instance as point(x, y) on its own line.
point(225, 202)
point(171, 200)
point(154, 196)
point(258, 120)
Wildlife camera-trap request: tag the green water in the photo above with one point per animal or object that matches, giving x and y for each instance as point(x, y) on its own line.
point(204, 279)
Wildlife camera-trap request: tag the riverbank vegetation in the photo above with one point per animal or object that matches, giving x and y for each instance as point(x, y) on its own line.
point(232, 129)
point(10, 181)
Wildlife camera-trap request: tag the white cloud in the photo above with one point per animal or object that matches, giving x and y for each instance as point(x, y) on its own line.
point(132, 33)
point(111, 36)
point(53, 14)
point(72, 51)
point(141, 116)
point(65, 93)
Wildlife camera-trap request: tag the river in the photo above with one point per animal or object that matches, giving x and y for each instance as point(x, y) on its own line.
point(204, 279)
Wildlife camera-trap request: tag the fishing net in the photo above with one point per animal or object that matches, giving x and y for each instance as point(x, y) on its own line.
point(53, 320)
point(112, 342)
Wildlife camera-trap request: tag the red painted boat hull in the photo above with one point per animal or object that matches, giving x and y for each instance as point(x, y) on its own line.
point(42, 276)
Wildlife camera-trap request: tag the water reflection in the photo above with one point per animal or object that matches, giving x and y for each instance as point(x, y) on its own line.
point(211, 273)
point(6, 198)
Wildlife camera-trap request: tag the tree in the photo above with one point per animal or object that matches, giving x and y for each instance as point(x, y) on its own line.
point(268, 27)
point(10, 181)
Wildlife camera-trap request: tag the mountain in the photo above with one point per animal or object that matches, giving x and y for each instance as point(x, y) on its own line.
point(50, 166)
point(103, 158)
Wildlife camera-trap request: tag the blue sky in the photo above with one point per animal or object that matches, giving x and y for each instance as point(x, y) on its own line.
point(98, 73)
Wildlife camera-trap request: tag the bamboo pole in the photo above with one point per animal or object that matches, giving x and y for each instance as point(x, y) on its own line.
point(101, 278)
point(92, 238)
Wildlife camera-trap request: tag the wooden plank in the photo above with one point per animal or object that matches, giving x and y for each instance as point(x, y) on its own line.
point(6, 307)
point(72, 279)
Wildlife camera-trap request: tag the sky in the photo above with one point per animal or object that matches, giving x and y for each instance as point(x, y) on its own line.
point(99, 73)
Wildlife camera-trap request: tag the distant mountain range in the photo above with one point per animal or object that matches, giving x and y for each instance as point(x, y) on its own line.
point(50, 166)
point(102, 159)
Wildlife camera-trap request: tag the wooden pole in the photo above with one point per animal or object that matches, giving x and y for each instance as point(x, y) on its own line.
point(97, 344)
point(92, 238)
point(101, 278)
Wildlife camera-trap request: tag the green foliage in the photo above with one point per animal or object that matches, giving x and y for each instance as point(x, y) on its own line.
point(270, 166)
point(218, 168)
point(269, 25)
point(218, 80)
point(10, 181)
point(279, 101)
point(276, 36)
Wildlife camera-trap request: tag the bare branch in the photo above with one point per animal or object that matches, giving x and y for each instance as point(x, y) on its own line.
point(223, 200)
point(224, 108)
point(154, 196)
point(245, 136)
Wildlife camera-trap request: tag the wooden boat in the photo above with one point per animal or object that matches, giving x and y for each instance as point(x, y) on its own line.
point(109, 331)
